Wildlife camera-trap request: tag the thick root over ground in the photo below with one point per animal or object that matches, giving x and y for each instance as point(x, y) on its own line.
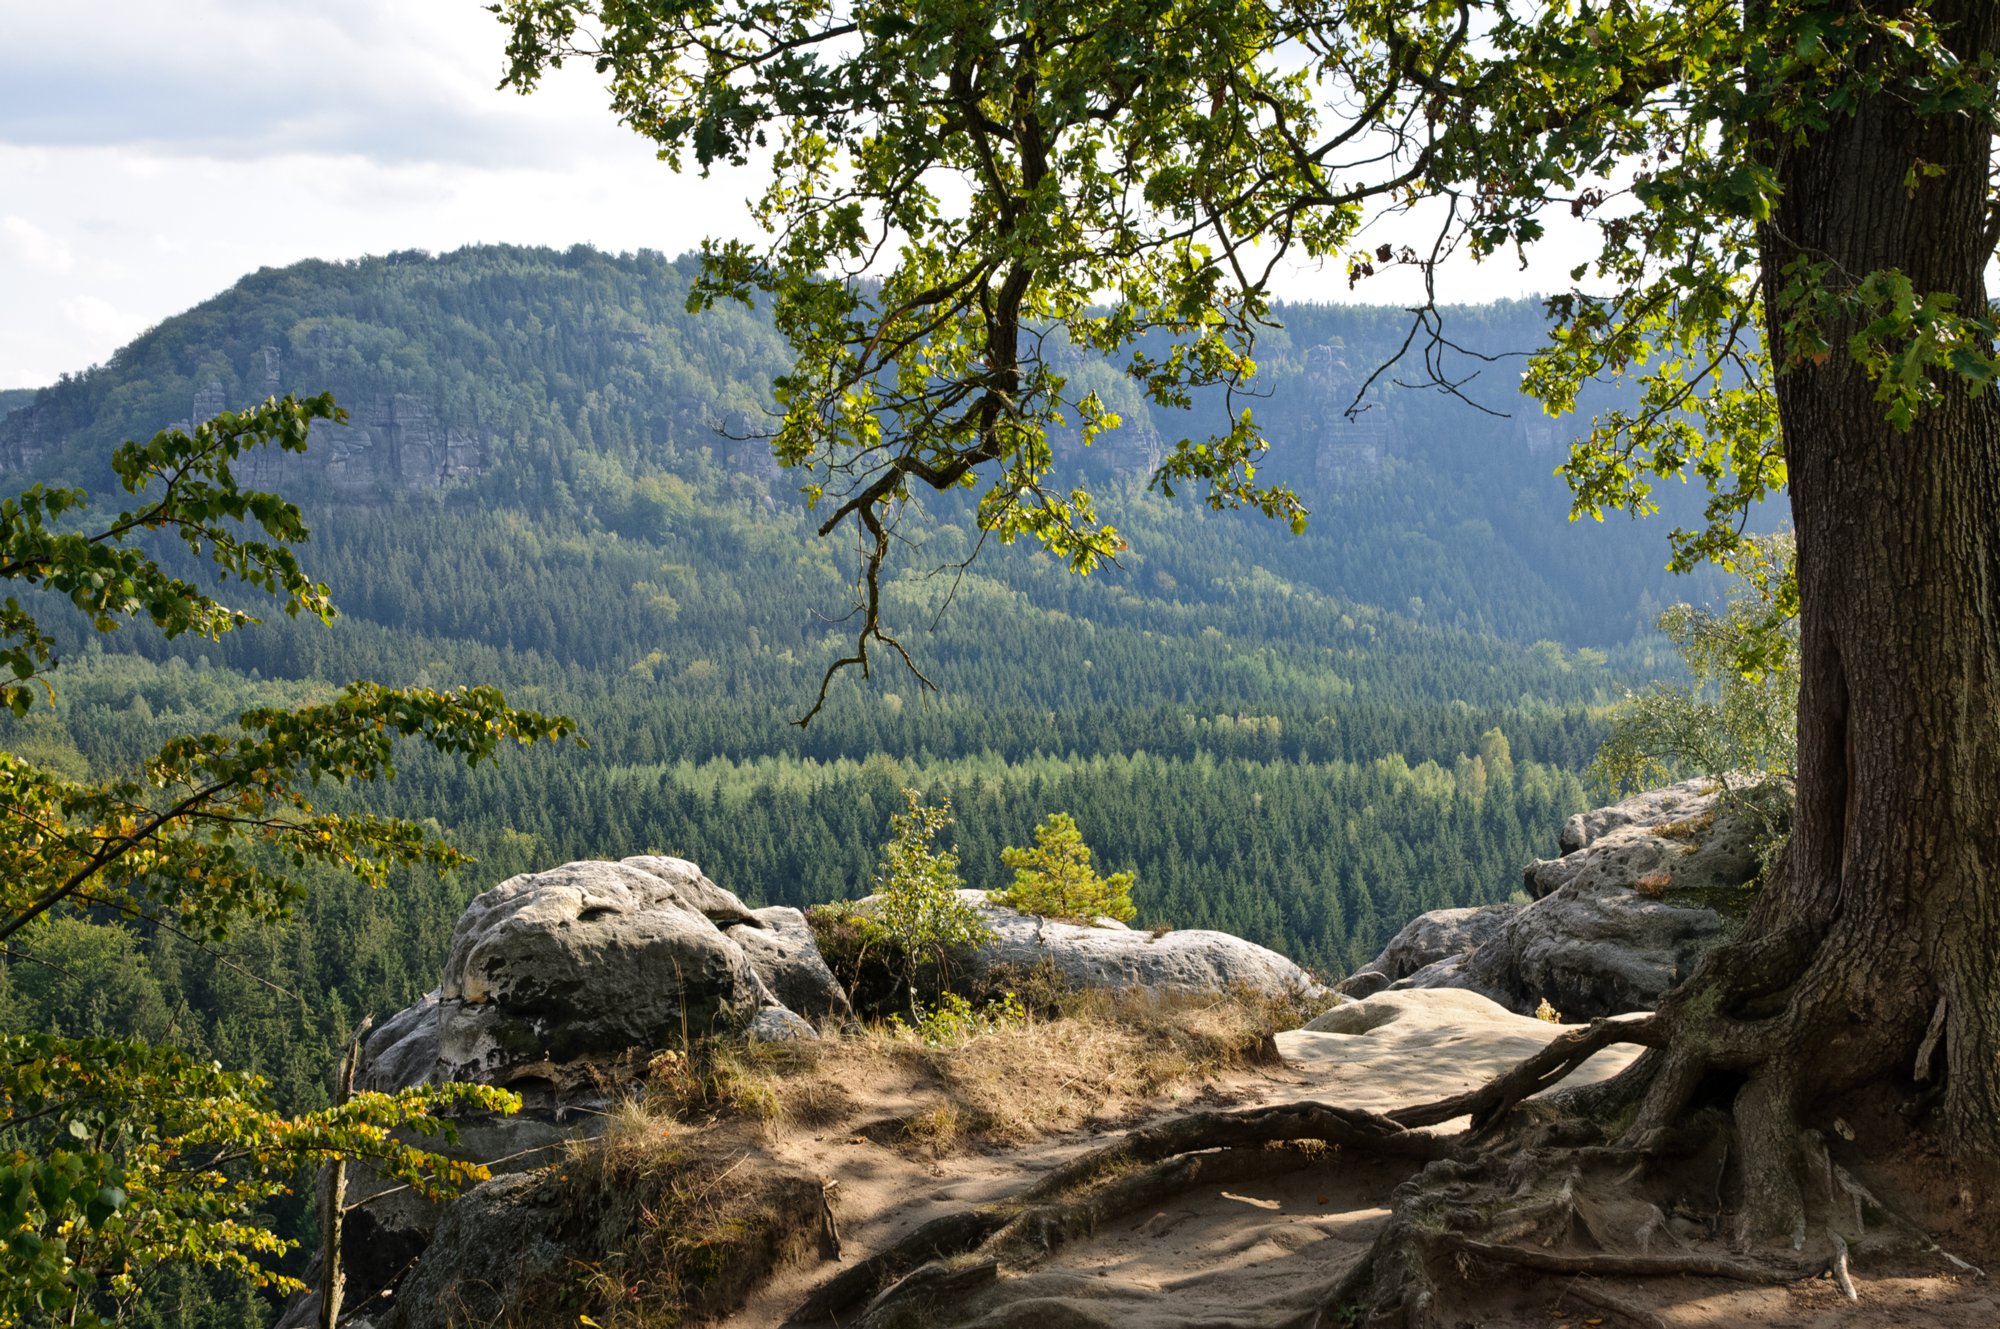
point(1647, 1175)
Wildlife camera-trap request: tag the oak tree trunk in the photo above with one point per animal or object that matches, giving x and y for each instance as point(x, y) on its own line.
point(1887, 920)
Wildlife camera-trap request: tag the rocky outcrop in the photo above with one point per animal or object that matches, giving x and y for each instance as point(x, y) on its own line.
point(559, 983)
point(403, 1052)
point(388, 444)
point(513, 1250)
point(780, 946)
point(494, 1241)
point(1441, 935)
point(1679, 839)
point(593, 962)
point(1642, 888)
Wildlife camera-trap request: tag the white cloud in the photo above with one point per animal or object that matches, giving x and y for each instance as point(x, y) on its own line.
point(154, 153)
point(151, 237)
point(30, 245)
point(101, 320)
point(385, 79)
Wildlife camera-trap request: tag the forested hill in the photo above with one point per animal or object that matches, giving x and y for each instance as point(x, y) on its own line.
point(545, 486)
point(575, 387)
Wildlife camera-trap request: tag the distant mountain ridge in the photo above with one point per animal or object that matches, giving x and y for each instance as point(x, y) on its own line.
point(573, 380)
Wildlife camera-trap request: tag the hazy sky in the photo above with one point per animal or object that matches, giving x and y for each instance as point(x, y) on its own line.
point(151, 153)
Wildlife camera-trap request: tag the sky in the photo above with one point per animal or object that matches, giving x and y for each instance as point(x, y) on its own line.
point(153, 153)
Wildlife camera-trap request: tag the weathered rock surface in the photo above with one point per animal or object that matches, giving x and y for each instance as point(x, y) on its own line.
point(495, 1241)
point(1415, 1046)
point(390, 1226)
point(779, 944)
point(596, 961)
point(589, 959)
point(776, 1024)
point(1682, 831)
point(1426, 940)
point(1617, 920)
point(686, 886)
point(1193, 961)
point(402, 1053)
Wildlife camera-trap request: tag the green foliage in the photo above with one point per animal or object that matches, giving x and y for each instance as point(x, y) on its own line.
point(1055, 879)
point(109, 574)
point(1249, 720)
point(126, 1156)
point(1088, 157)
point(952, 1019)
point(1736, 723)
point(1209, 706)
point(917, 904)
point(968, 204)
point(116, 1155)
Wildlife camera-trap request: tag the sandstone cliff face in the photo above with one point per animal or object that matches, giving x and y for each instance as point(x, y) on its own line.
point(26, 437)
point(389, 445)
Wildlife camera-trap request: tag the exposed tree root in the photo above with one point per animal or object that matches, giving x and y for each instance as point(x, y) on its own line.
point(1139, 1169)
point(1494, 1099)
point(1320, 1123)
point(941, 1238)
point(1633, 1178)
point(1587, 1292)
point(1609, 1265)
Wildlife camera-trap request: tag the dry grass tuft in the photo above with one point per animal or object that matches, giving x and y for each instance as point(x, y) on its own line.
point(1091, 1058)
point(681, 1204)
point(671, 1224)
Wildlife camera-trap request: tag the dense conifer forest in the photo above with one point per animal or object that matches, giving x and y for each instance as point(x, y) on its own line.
point(553, 483)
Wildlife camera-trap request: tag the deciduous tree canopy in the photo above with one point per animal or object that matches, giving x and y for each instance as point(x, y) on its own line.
point(1794, 200)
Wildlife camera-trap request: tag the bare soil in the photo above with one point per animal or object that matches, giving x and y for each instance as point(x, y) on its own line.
point(901, 1135)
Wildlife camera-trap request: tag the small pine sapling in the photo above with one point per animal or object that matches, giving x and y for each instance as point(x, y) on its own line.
point(1055, 879)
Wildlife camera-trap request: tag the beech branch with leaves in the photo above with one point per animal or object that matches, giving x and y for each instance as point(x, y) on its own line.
point(969, 202)
point(115, 1156)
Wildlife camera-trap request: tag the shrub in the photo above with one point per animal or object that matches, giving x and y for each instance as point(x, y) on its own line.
point(917, 905)
point(1737, 722)
point(953, 1019)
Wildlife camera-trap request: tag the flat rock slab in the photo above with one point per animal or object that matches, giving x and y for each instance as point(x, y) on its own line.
point(1398, 1049)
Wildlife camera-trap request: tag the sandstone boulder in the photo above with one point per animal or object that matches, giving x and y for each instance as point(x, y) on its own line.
point(687, 886)
point(780, 947)
point(402, 1053)
point(590, 959)
point(1682, 832)
point(493, 1242)
point(1441, 935)
point(775, 1024)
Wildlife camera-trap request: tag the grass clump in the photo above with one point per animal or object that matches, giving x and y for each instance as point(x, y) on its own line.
point(670, 1225)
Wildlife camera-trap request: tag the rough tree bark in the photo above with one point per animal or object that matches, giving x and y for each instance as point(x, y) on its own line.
point(1887, 919)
